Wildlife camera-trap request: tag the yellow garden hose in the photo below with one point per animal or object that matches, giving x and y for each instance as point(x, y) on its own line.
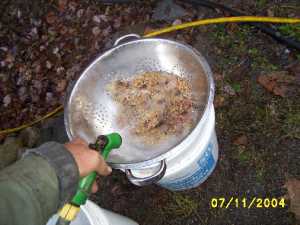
point(174, 28)
point(11, 130)
point(223, 20)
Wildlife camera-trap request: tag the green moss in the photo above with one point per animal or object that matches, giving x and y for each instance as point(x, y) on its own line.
point(243, 156)
point(291, 126)
point(260, 175)
point(290, 30)
point(260, 61)
point(261, 4)
point(181, 205)
point(236, 87)
point(236, 42)
point(293, 119)
point(260, 113)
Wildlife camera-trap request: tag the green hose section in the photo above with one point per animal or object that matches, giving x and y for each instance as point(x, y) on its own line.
point(114, 141)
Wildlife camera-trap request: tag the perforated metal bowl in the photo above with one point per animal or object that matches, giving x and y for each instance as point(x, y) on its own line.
point(90, 111)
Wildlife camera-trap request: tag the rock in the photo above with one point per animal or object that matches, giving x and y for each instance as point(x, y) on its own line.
point(229, 90)
point(107, 31)
point(42, 48)
point(9, 151)
point(97, 19)
point(168, 11)
point(177, 22)
point(60, 69)
point(103, 18)
point(22, 94)
point(49, 97)
point(34, 32)
point(6, 100)
point(30, 137)
point(55, 50)
point(48, 64)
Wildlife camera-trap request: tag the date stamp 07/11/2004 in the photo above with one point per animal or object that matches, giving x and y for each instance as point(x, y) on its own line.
point(247, 203)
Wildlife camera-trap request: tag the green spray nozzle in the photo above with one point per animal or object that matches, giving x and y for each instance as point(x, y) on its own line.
point(112, 141)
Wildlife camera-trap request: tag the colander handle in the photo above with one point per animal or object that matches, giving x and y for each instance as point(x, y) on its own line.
point(127, 37)
point(147, 180)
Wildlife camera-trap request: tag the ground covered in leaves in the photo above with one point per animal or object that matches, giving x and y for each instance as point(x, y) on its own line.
point(45, 45)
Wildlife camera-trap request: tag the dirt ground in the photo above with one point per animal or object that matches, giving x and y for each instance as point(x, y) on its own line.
point(46, 44)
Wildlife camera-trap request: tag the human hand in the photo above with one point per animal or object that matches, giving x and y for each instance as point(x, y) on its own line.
point(87, 160)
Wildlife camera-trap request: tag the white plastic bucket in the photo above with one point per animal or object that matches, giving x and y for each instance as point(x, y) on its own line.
point(92, 214)
point(192, 166)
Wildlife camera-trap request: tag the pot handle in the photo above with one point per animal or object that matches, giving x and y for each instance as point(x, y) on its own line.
point(126, 37)
point(147, 180)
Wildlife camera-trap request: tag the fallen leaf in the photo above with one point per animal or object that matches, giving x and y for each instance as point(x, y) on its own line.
point(276, 82)
point(293, 187)
point(219, 101)
point(61, 86)
point(80, 13)
point(63, 30)
point(218, 77)
point(267, 82)
point(241, 140)
point(2, 137)
point(51, 18)
point(62, 5)
point(116, 190)
point(107, 31)
point(280, 90)
point(9, 58)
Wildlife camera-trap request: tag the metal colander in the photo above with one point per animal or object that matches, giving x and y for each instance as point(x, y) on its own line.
point(90, 110)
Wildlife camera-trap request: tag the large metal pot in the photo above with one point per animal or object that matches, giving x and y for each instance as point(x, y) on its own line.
point(89, 110)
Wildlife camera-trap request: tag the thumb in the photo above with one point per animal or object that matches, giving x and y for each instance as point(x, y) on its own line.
point(95, 187)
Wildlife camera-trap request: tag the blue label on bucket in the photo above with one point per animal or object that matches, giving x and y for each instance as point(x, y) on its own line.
point(206, 164)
